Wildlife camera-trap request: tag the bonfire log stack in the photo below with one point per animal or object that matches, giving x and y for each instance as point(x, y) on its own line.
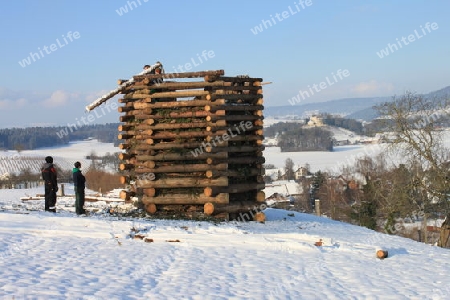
point(193, 143)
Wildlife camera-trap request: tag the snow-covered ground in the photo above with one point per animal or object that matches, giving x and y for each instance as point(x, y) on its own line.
point(62, 256)
point(64, 157)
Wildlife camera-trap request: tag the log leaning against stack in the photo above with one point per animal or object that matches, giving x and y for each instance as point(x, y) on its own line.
point(192, 145)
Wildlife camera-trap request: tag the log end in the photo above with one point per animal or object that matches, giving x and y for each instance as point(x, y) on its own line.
point(260, 217)
point(208, 191)
point(124, 195)
point(382, 254)
point(150, 208)
point(260, 196)
point(208, 208)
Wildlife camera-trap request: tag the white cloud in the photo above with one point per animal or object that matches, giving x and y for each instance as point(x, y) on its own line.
point(372, 88)
point(91, 97)
point(58, 98)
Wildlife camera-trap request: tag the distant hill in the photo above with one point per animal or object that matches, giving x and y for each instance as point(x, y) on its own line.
point(354, 108)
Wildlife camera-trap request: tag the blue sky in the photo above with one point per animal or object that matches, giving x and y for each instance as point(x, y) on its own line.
point(297, 45)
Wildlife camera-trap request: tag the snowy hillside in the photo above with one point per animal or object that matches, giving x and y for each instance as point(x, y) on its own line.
point(64, 157)
point(61, 256)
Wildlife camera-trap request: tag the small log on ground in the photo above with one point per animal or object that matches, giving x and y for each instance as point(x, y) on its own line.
point(382, 254)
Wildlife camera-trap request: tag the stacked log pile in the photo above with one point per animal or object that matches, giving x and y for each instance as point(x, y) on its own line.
point(193, 143)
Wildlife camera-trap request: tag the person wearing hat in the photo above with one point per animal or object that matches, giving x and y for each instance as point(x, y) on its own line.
point(79, 182)
point(49, 176)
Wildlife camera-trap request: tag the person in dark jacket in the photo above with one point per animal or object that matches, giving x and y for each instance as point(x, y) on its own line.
point(79, 182)
point(49, 176)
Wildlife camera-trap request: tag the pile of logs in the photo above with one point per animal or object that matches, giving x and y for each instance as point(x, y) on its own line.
point(193, 143)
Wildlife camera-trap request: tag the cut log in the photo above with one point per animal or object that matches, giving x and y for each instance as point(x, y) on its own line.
point(126, 195)
point(123, 167)
point(245, 98)
point(248, 207)
point(150, 192)
point(260, 217)
point(181, 85)
point(185, 134)
point(126, 118)
point(233, 173)
point(114, 92)
point(234, 118)
point(234, 107)
point(240, 79)
point(167, 126)
point(260, 196)
point(125, 156)
point(208, 208)
point(382, 254)
point(235, 138)
point(181, 168)
point(190, 103)
point(183, 182)
point(238, 160)
point(185, 199)
point(150, 208)
point(148, 97)
point(210, 149)
point(181, 156)
point(122, 109)
point(233, 188)
point(181, 75)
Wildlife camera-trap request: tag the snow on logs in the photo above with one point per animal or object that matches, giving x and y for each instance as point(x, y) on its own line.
point(193, 142)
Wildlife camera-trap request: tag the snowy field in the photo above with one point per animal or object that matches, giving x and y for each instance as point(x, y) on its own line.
point(64, 256)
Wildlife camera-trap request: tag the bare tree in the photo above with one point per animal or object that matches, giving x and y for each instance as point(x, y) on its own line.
point(289, 169)
point(413, 123)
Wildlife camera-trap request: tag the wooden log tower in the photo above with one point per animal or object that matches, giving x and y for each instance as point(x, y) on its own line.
point(192, 142)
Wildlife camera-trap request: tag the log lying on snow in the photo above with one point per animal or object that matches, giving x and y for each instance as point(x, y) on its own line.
point(88, 198)
point(248, 210)
point(382, 254)
point(210, 208)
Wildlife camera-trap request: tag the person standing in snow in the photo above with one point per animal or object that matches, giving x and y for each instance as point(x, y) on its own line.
point(79, 185)
point(51, 185)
